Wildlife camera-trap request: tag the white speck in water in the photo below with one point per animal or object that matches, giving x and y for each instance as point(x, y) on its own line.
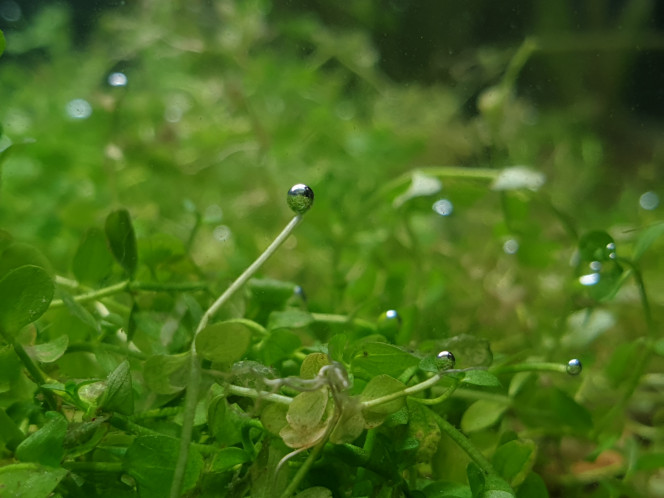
point(649, 201)
point(443, 207)
point(79, 109)
point(510, 246)
point(221, 233)
point(117, 79)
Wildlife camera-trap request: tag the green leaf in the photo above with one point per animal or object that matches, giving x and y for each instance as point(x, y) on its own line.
point(380, 386)
point(151, 461)
point(2, 42)
point(647, 238)
point(445, 489)
point(92, 262)
point(308, 418)
point(482, 414)
point(469, 350)
point(51, 351)
point(273, 417)
point(289, 319)
point(375, 358)
point(533, 486)
point(422, 426)
point(224, 342)
point(280, 344)
point(312, 364)
point(119, 394)
point(315, 492)
point(569, 412)
point(225, 421)
point(29, 480)
point(227, 458)
point(46, 445)
point(166, 374)
point(122, 240)
point(480, 378)
point(10, 434)
point(514, 460)
point(18, 254)
point(25, 294)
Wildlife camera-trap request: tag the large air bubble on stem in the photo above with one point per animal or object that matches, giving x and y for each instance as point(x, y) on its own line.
point(445, 360)
point(574, 367)
point(300, 198)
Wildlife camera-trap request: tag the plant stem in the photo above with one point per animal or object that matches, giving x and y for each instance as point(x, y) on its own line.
point(302, 471)
point(194, 378)
point(127, 285)
point(253, 393)
point(406, 392)
point(447, 394)
point(111, 467)
point(464, 443)
point(34, 372)
point(530, 367)
point(113, 348)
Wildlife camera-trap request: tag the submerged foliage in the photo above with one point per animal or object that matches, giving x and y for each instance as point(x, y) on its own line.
point(469, 309)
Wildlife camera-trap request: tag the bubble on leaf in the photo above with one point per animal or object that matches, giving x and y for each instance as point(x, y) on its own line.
point(649, 201)
point(300, 198)
point(574, 367)
point(445, 360)
point(221, 233)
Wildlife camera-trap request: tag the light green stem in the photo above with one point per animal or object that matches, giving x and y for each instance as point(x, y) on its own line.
point(302, 471)
point(194, 378)
point(93, 295)
point(406, 392)
point(530, 367)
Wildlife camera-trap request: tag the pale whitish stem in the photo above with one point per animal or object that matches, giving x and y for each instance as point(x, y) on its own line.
point(253, 393)
point(430, 382)
point(193, 381)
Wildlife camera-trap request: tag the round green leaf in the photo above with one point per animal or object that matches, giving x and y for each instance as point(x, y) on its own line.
point(166, 374)
point(482, 414)
point(25, 294)
point(45, 445)
point(514, 460)
point(224, 342)
point(119, 395)
point(29, 479)
point(49, 352)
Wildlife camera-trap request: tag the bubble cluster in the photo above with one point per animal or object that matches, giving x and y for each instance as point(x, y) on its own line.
point(300, 198)
point(445, 360)
point(574, 367)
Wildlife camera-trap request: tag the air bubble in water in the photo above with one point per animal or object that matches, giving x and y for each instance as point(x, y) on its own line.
point(649, 201)
point(222, 233)
point(445, 360)
point(443, 207)
point(79, 109)
point(117, 79)
point(389, 323)
point(300, 198)
point(510, 246)
point(574, 367)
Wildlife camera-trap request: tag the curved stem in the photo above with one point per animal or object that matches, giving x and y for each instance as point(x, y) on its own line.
point(93, 295)
point(464, 443)
point(194, 378)
point(530, 367)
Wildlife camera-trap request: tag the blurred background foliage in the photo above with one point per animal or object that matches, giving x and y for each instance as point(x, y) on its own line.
point(198, 116)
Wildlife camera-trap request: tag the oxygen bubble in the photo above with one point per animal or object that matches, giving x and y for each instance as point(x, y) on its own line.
point(79, 109)
point(445, 360)
point(300, 198)
point(510, 246)
point(443, 207)
point(117, 79)
point(574, 367)
point(299, 292)
point(649, 201)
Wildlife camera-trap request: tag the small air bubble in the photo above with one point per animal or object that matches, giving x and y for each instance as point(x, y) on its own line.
point(649, 201)
point(510, 246)
point(595, 265)
point(389, 323)
point(590, 279)
point(117, 79)
point(79, 109)
point(221, 233)
point(574, 367)
point(443, 207)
